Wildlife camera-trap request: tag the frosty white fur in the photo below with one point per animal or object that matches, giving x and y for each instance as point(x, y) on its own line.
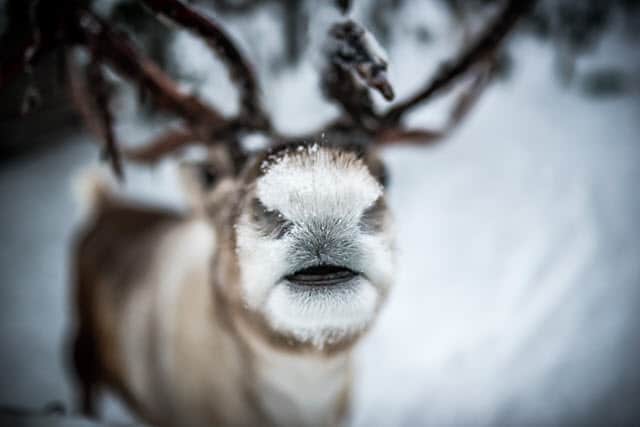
point(314, 186)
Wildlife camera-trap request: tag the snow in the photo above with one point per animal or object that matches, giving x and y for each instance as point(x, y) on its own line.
point(518, 282)
point(518, 276)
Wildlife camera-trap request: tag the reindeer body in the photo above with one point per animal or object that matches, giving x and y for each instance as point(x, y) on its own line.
point(163, 313)
point(153, 329)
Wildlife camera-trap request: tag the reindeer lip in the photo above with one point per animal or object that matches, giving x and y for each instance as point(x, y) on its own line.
point(322, 275)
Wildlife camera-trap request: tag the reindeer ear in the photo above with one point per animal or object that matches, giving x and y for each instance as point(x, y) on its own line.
point(199, 179)
point(219, 203)
point(377, 168)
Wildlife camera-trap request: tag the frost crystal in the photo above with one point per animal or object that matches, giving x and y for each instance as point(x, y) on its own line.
point(372, 46)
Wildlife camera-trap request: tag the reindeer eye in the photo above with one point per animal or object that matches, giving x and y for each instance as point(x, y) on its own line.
point(208, 176)
point(372, 218)
point(270, 222)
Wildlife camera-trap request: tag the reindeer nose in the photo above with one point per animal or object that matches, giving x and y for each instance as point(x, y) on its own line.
point(326, 242)
point(326, 256)
point(322, 250)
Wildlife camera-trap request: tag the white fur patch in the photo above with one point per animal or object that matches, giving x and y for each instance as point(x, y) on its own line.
point(317, 184)
point(263, 263)
point(322, 193)
point(300, 390)
point(91, 187)
point(320, 316)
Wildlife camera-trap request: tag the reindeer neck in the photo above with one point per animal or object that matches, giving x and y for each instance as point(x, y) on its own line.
point(300, 388)
point(289, 385)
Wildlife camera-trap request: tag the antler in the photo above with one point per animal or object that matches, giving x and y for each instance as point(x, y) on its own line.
point(476, 63)
point(92, 105)
point(355, 65)
point(162, 145)
point(73, 24)
point(240, 71)
point(463, 104)
point(482, 50)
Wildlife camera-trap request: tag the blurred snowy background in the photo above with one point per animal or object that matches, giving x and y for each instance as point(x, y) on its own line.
point(518, 288)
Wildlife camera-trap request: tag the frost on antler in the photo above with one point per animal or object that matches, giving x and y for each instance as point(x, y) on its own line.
point(355, 61)
point(355, 49)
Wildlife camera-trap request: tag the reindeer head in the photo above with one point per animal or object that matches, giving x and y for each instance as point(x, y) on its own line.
point(313, 242)
point(306, 241)
point(305, 234)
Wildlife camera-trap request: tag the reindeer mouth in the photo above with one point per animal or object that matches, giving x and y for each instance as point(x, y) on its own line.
point(322, 275)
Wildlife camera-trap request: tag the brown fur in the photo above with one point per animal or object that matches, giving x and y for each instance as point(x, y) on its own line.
point(162, 321)
point(98, 299)
point(113, 253)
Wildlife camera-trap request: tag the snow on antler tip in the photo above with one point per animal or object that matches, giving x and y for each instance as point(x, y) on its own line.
point(356, 50)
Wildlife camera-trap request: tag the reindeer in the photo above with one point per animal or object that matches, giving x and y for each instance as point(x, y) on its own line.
point(246, 309)
point(247, 313)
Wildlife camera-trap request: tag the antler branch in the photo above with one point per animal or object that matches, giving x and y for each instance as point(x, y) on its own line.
point(164, 144)
point(101, 100)
point(92, 104)
point(240, 71)
point(455, 69)
point(461, 107)
point(116, 48)
point(355, 63)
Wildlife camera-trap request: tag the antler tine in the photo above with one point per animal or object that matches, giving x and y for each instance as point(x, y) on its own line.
point(205, 123)
point(166, 143)
point(148, 154)
point(100, 94)
point(453, 70)
point(240, 71)
point(470, 96)
point(463, 104)
point(355, 64)
point(116, 48)
point(92, 104)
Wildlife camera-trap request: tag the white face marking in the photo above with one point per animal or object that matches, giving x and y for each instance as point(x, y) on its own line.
point(305, 187)
point(322, 317)
point(321, 194)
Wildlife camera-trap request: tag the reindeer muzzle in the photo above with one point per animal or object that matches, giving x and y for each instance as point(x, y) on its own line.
point(322, 275)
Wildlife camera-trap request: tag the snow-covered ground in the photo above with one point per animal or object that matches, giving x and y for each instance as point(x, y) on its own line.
point(518, 290)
